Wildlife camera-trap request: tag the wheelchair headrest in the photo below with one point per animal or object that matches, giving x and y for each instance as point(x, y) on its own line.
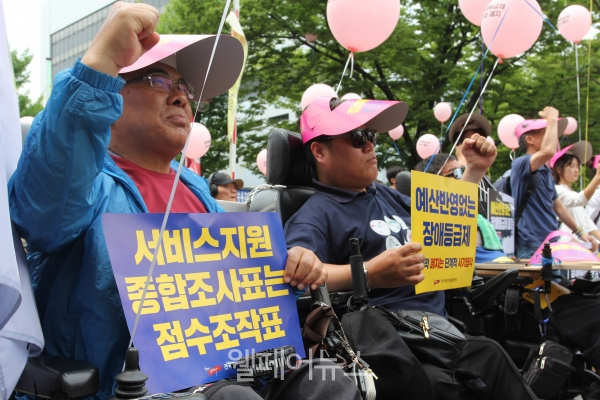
point(286, 160)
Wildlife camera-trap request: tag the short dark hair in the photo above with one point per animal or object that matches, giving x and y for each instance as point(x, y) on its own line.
point(523, 143)
point(560, 164)
point(522, 140)
point(437, 162)
point(391, 172)
point(310, 158)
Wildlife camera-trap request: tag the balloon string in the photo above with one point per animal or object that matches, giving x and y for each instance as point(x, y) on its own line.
point(541, 15)
point(481, 75)
point(462, 101)
point(397, 149)
point(512, 154)
point(578, 107)
point(469, 117)
point(159, 241)
point(587, 101)
point(350, 58)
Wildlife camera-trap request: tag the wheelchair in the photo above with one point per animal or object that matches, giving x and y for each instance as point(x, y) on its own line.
point(513, 323)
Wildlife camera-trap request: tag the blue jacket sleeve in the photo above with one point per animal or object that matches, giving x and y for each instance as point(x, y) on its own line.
point(52, 196)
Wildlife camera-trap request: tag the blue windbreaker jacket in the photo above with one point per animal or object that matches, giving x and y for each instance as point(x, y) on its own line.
point(63, 184)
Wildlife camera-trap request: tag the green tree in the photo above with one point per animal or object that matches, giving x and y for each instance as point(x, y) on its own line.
point(20, 64)
point(431, 56)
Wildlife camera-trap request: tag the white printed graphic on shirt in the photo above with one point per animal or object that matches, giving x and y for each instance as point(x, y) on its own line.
point(408, 236)
point(394, 225)
point(380, 227)
point(402, 223)
point(391, 243)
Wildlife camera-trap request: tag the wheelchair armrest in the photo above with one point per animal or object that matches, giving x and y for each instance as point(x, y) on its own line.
point(59, 378)
point(461, 326)
point(484, 296)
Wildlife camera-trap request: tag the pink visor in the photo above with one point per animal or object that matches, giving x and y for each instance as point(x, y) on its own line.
point(190, 55)
point(381, 115)
point(582, 150)
point(535, 124)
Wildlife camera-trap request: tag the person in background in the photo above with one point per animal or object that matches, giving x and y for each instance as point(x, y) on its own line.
point(477, 124)
point(222, 187)
point(391, 173)
point(538, 139)
point(565, 171)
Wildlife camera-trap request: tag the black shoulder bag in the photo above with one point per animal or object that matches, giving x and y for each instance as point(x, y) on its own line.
point(378, 344)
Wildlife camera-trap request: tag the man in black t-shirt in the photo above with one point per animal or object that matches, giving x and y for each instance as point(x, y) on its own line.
point(340, 138)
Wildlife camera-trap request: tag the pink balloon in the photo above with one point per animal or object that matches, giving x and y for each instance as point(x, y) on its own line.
point(199, 141)
point(519, 30)
point(473, 10)
point(261, 161)
point(397, 132)
point(571, 126)
point(310, 37)
point(506, 130)
point(315, 91)
point(361, 25)
point(574, 22)
point(428, 145)
point(442, 112)
point(351, 96)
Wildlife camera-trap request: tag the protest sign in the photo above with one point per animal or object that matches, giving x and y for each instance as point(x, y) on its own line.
point(444, 221)
point(216, 293)
point(501, 214)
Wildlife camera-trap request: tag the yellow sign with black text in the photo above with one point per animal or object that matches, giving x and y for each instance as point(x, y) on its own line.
point(444, 222)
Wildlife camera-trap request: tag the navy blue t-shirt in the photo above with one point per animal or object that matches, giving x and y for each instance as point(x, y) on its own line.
point(379, 217)
point(538, 218)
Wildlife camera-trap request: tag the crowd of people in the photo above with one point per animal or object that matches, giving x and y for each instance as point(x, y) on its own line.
point(106, 141)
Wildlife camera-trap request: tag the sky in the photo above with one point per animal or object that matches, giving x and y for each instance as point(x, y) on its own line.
point(26, 35)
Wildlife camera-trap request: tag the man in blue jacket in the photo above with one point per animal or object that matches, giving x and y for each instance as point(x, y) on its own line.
point(105, 144)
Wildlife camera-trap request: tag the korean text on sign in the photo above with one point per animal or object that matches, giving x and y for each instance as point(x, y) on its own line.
point(444, 221)
point(217, 286)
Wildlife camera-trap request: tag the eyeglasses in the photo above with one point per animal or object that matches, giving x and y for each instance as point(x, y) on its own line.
point(163, 83)
point(456, 173)
point(359, 137)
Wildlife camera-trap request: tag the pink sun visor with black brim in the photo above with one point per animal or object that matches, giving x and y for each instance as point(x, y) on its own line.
point(190, 55)
point(582, 150)
point(319, 120)
point(535, 124)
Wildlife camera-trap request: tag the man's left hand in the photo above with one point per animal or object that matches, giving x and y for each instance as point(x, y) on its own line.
point(303, 268)
point(480, 155)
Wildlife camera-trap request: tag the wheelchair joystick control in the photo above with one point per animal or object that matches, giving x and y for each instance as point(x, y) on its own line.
point(547, 267)
point(360, 298)
point(131, 382)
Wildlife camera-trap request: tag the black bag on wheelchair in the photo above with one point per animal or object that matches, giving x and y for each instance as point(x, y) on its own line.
point(378, 344)
point(547, 369)
point(430, 337)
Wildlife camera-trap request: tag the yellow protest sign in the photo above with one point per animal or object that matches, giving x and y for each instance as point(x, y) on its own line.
point(444, 221)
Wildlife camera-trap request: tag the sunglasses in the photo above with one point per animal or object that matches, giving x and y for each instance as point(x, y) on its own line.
point(456, 173)
point(163, 83)
point(359, 137)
